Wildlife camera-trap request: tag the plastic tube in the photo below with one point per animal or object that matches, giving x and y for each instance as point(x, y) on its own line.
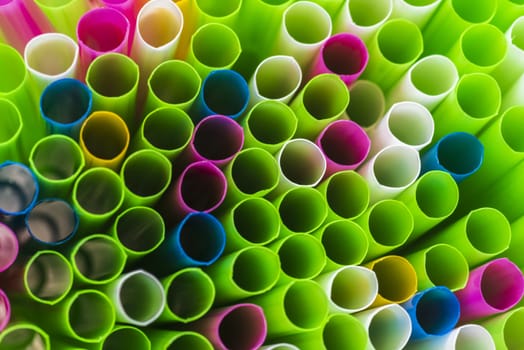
point(505, 328)
point(104, 139)
point(268, 125)
point(21, 334)
point(367, 103)
point(392, 170)
point(10, 135)
point(321, 101)
point(18, 188)
point(362, 18)
point(417, 11)
point(428, 81)
point(210, 11)
point(492, 288)
point(511, 67)
point(507, 12)
point(279, 346)
point(468, 336)
point(9, 245)
point(164, 339)
point(64, 105)
point(63, 15)
point(97, 259)
point(128, 336)
point(190, 294)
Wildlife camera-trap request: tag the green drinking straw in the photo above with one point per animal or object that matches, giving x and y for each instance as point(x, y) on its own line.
point(455, 16)
point(514, 252)
point(244, 273)
point(396, 46)
point(440, 265)
point(63, 14)
point(506, 329)
point(113, 79)
point(190, 294)
point(209, 11)
point(331, 6)
point(213, 46)
point(24, 335)
point(362, 18)
point(170, 339)
point(125, 336)
point(474, 102)
point(56, 160)
point(11, 130)
point(367, 105)
point(418, 11)
point(431, 199)
point(511, 67)
point(507, 12)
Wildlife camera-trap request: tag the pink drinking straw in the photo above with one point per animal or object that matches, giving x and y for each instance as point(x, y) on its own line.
point(99, 31)
point(216, 138)
point(128, 8)
point(344, 54)
point(5, 310)
point(345, 145)
point(240, 326)
point(8, 247)
point(492, 288)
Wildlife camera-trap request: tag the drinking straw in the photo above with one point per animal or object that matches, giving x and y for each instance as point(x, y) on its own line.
point(253, 172)
point(344, 242)
point(63, 15)
point(481, 48)
point(104, 139)
point(301, 163)
point(216, 138)
point(224, 92)
point(138, 297)
point(345, 145)
point(301, 255)
point(431, 199)
point(197, 240)
point(362, 18)
point(295, 307)
point(276, 78)
point(507, 12)
point(190, 294)
point(24, 335)
point(18, 188)
point(140, 230)
point(397, 45)
point(511, 67)
point(339, 331)
point(101, 30)
point(344, 54)
point(201, 187)
point(459, 153)
point(244, 273)
point(167, 339)
point(56, 160)
point(51, 56)
point(173, 83)
point(145, 190)
point(10, 134)
point(113, 80)
point(349, 289)
point(279, 346)
point(269, 124)
point(428, 81)
point(456, 16)
point(65, 105)
point(300, 41)
point(251, 222)
point(301, 210)
point(417, 11)
point(126, 336)
point(98, 193)
point(397, 279)
point(225, 12)
point(214, 46)
point(189, 14)
point(390, 171)
point(367, 103)
point(434, 311)
point(331, 6)
point(159, 26)
point(10, 247)
point(321, 101)
point(128, 7)
point(51, 222)
point(467, 336)
point(475, 101)
point(388, 326)
point(405, 123)
point(166, 130)
point(97, 259)
point(239, 326)
point(505, 328)
point(492, 288)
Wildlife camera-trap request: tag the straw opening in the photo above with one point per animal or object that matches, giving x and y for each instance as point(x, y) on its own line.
point(168, 128)
point(400, 41)
point(218, 137)
point(344, 242)
point(345, 54)
point(66, 101)
point(52, 221)
point(390, 222)
point(190, 294)
point(140, 229)
point(24, 336)
point(354, 288)
point(512, 127)
point(37, 53)
point(201, 238)
point(209, 45)
point(187, 80)
point(90, 315)
point(271, 122)
point(155, 165)
point(390, 328)
point(18, 188)
point(366, 13)
point(226, 92)
point(502, 284)
point(57, 157)
point(437, 194)
point(302, 162)
point(344, 185)
point(162, 16)
point(460, 153)
point(345, 142)
point(98, 191)
point(396, 278)
point(244, 327)
point(141, 297)
point(203, 186)
point(192, 341)
point(256, 269)
point(367, 103)
point(11, 121)
point(211, 7)
point(471, 336)
point(13, 70)
point(438, 311)
point(319, 27)
point(330, 89)
point(48, 277)
point(301, 256)
point(434, 75)
point(396, 166)
point(128, 337)
point(513, 329)
point(254, 170)
point(482, 12)
point(105, 135)
point(480, 226)
point(98, 259)
point(419, 119)
point(270, 81)
point(302, 209)
point(103, 29)
point(484, 45)
point(305, 304)
point(256, 220)
point(112, 75)
point(343, 332)
point(446, 266)
point(478, 95)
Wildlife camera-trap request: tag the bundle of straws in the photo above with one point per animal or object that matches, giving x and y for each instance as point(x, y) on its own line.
point(261, 174)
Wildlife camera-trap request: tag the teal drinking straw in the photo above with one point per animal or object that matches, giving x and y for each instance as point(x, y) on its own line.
point(113, 79)
point(19, 187)
point(97, 259)
point(140, 230)
point(56, 160)
point(126, 336)
point(169, 339)
point(368, 103)
point(396, 46)
point(244, 273)
point(190, 294)
point(24, 335)
point(63, 14)
point(10, 138)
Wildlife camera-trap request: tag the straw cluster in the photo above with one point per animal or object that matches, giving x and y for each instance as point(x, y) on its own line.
point(273, 174)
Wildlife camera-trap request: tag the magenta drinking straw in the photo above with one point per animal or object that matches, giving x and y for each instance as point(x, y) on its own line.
point(344, 54)
point(492, 288)
point(8, 247)
point(345, 145)
point(5, 310)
